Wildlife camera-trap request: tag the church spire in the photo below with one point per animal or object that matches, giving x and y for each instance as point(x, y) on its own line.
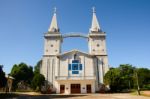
point(95, 25)
point(54, 26)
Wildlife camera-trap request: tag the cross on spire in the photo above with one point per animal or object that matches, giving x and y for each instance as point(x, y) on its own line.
point(93, 8)
point(55, 9)
point(54, 26)
point(75, 55)
point(95, 24)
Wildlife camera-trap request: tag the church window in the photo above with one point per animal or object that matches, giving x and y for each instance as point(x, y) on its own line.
point(97, 45)
point(46, 50)
point(75, 72)
point(80, 67)
point(75, 61)
point(75, 66)
point(55, 50)
point(69, 68)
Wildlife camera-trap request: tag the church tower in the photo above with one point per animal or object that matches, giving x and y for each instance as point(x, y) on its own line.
point(53, 38)
point(97, 47)
point(52, 47)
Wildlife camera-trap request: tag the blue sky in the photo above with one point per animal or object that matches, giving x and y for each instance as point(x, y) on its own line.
point(24, 22)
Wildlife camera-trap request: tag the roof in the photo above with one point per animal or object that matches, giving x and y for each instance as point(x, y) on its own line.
point(74, 52)
point(95, 27)
point(54, 26)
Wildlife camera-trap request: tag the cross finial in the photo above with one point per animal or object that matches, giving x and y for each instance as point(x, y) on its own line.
point(75, 55)
point(55, 9)
point(93, 9)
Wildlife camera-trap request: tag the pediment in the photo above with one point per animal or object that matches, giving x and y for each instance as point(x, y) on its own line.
point(72, 52)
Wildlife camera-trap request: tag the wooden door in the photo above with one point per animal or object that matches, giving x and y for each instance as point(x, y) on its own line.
point(75, 88)
point(88, 88)
point(62, 88)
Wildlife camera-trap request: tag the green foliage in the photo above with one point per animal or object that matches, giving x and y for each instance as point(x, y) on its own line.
point(22, 72)
point(37, 67)
point(124, 77)
point(127, 72)
point(143, 76)
point(3, 80)
point(113, 79)
point(146, 87)
point(38, 81)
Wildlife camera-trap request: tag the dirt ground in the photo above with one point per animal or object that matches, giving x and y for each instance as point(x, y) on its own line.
point(33, 95)
point(146, 93)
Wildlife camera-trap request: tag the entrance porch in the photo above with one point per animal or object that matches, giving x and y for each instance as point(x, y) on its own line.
point(73, 87)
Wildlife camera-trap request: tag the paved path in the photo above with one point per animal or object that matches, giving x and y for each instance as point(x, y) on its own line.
point(83, 96)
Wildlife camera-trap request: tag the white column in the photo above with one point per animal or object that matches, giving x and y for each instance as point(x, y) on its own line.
point(67, 88)
point(101, 72)
point(83, 87)
point(93, 87)
point(58, 88)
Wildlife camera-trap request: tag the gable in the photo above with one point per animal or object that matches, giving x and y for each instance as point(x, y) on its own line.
point(74, 52)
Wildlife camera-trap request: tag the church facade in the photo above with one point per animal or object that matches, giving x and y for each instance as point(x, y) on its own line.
point(75, 71)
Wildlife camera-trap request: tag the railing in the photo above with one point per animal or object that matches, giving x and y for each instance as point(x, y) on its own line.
point(75, 77)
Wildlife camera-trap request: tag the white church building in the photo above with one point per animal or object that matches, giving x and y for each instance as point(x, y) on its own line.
point(75, 71)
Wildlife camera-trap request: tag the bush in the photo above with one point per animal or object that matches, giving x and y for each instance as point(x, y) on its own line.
point(146, 87)
point(37, 82)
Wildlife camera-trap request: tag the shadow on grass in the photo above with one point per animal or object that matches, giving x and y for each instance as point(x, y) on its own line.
point(7, 95)
point(123, 91)
point(48, 96)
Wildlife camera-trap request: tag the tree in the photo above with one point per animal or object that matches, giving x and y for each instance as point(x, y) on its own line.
point(38, 81)
point(112, 78)
point(37, 67)
point(120, 78)
point(22, 72)
point(127, 72)
point(3, 80)
point(126, 76)
point(143, 76)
